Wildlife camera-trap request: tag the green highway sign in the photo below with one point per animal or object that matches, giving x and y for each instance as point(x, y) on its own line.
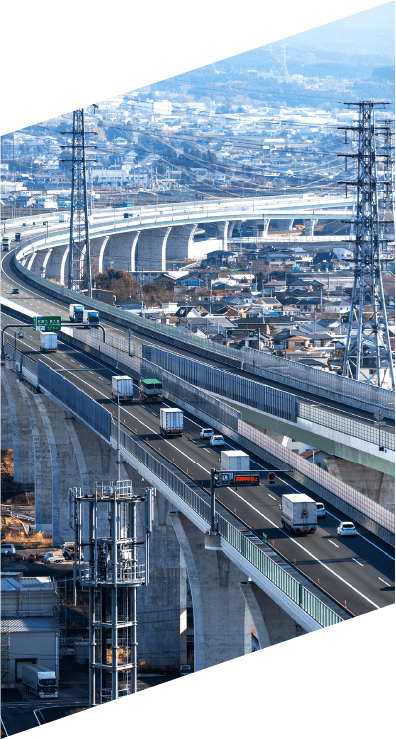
point(47, 323)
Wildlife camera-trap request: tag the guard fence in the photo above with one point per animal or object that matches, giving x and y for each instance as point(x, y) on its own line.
point(310, 603)
point(239, 389)
point(359, 394)
point(354, 504)
point(372, 515)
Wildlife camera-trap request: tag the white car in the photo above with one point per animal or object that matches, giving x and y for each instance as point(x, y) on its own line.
point(206, 433)
point(346, 528)
point(216, 440)
point(320, 510)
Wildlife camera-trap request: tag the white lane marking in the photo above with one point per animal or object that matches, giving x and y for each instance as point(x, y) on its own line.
point(271, 496)
point(297, 543)
point(260, 465)
point(328, 512)
point(385, 583)
point(334, 544)
point(359, 563)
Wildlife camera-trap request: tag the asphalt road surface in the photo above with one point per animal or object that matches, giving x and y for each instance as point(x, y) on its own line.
point(358, 571)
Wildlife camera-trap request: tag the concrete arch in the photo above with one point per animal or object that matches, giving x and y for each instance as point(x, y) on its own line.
point(151, 249)
point(120, 251)
point(180, 239)
point(22, 442)
point(55, 268)
point(45, 261)
point(42, 466)
point(222, 621)
point(97, 247)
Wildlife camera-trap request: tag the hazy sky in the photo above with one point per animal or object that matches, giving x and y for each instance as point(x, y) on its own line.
point(370, 32)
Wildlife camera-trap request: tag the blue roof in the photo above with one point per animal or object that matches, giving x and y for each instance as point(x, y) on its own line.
point(31, 623)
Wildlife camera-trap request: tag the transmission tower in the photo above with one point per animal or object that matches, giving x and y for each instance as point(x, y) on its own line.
point(368, 355)
point(79, 271)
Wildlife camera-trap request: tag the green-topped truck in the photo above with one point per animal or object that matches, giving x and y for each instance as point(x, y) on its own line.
point(150, 391)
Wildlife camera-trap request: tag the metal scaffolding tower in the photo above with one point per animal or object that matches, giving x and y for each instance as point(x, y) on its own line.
point(112, 563)
point(368, 355)
point(79, 272)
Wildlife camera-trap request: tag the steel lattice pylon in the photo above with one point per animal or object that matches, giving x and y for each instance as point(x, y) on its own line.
point(368, 355)
point(79, 272)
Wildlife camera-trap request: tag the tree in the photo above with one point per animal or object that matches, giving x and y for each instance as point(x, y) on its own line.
point(119, 282)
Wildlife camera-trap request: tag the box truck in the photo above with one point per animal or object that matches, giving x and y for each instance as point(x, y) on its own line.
point(39, 680)
point(171, 422)
point(122, 385)
point(91, 317)
point(48, 341)
point(76, 312)
point(299, 513)
point(235, 460)
point(150, 391)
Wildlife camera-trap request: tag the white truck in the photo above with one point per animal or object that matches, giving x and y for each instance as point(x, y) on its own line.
point(235, 460)
point(299, 513)
point(122, 385)
point(171, 422)
point(91, 317)
point(39, 680)
point(48, 341)
point(76, 312)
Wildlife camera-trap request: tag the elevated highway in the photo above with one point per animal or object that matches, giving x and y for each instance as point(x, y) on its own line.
point(150, 239)
point(349, 571)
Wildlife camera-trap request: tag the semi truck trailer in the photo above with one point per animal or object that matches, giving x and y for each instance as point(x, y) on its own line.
point(76, 312)
point(150, 391)
point(299, 513)
point(171, 422)
point(91, 317)
point(39, 680)
point(122, 385)
point(235, 460)
point(48, 341)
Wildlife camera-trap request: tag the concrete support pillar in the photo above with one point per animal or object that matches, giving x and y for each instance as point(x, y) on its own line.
point(260, 227)
point(231, 227)
point(55, 268)
point(310, 226)
point(42, 464)
point(151, 249)
point(222, 622)
point(162, 605)
point(118, 251)
point(30, 260)
point(22, 442)
point(7, 440)
point(271, 623)
point(222, 233)
point(378, 486)
point(180, 239)
point(40, 262)
point(97, 247)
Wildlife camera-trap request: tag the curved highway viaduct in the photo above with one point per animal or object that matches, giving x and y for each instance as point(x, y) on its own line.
point(54, 451)
point(150, 240)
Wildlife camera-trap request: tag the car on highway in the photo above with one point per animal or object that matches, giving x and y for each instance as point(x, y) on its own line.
point(216, 440)
point(346, 528)
point(320, 510)
point(206, 433)
point(15, 291)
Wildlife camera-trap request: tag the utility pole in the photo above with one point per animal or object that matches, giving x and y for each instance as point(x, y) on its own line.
point(368, 355)
point(79, 250)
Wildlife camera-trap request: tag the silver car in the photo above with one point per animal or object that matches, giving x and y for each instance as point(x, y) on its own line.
point(320, 510)
point(346, 528)
point(206, 433)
